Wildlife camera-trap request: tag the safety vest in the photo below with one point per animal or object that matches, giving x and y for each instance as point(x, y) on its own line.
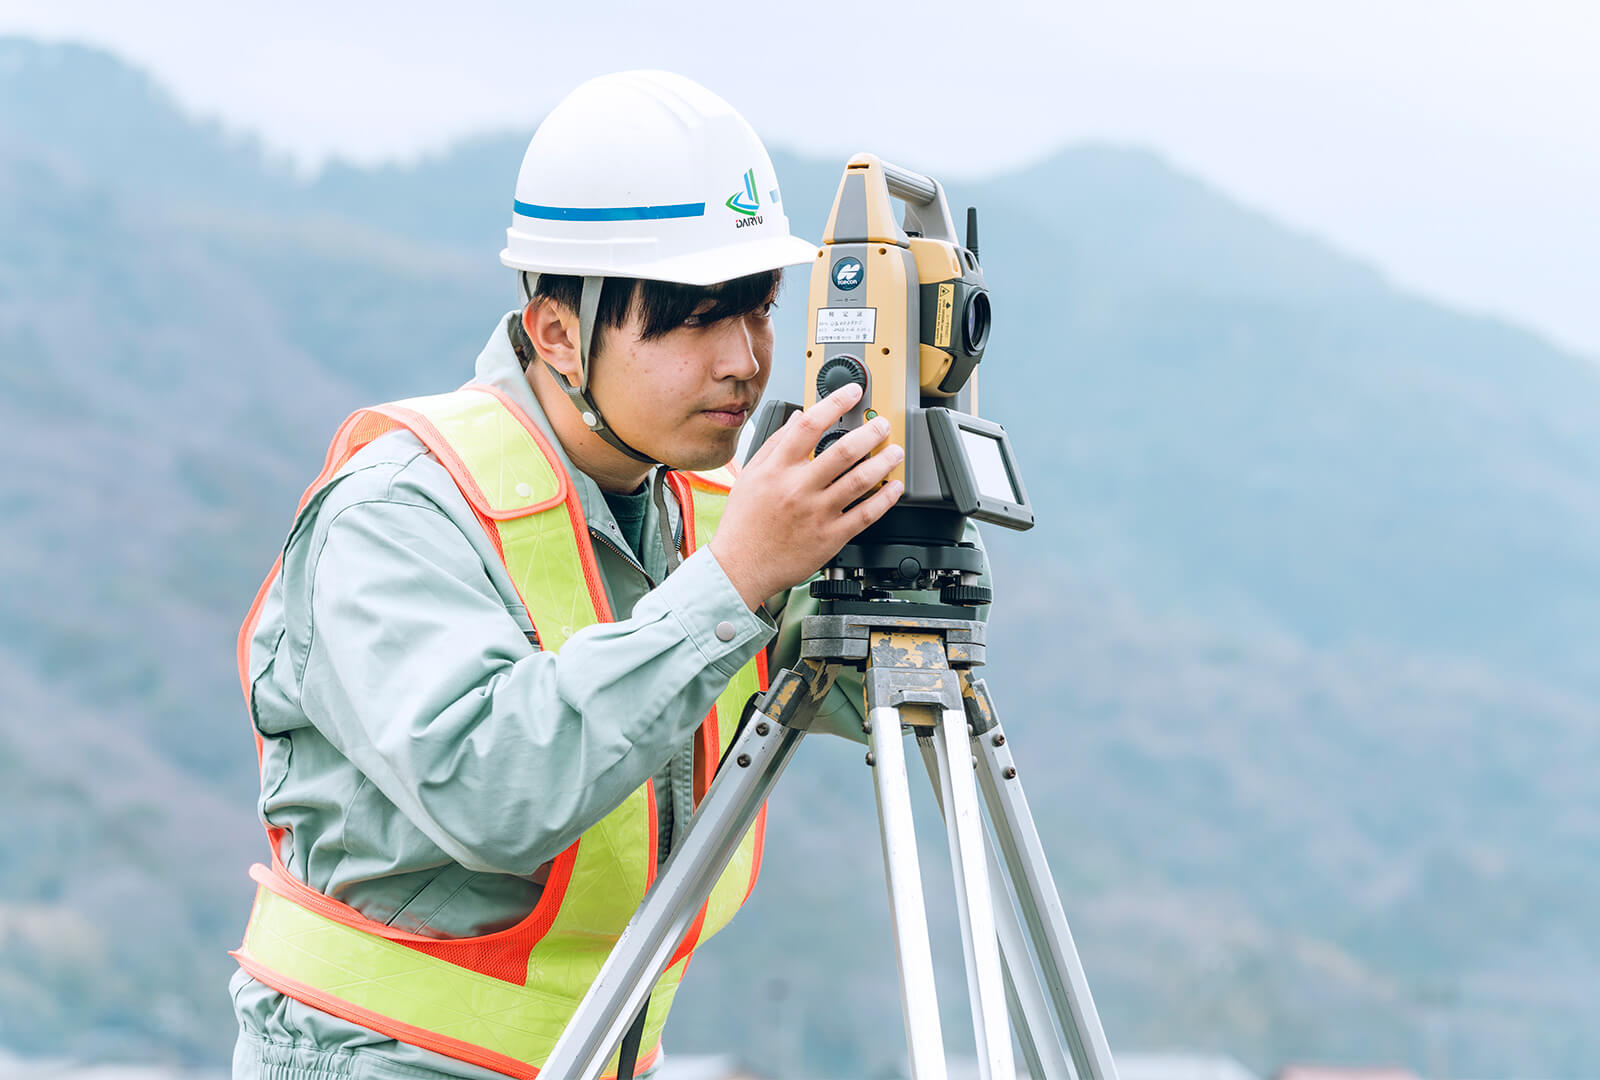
point(501, 1000)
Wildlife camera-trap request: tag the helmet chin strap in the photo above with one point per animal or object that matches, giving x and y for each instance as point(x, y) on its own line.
point(582, 400)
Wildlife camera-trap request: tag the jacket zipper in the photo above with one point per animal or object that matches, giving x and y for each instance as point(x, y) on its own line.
point(633, 560)
point(663, 835)
point(627, 556)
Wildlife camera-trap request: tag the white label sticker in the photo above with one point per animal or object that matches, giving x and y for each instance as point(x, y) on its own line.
point(846, 325)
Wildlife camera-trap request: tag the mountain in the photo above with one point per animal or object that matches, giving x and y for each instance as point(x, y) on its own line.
point(1295, 661)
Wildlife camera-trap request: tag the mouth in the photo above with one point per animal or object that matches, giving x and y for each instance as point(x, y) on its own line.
point(731, 415)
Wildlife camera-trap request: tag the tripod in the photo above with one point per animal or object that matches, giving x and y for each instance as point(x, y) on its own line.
point(1021, 963)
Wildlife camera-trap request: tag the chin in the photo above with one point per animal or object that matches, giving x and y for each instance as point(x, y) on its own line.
point(702, 458)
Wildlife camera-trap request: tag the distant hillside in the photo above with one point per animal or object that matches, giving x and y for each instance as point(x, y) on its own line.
point(1297, 658)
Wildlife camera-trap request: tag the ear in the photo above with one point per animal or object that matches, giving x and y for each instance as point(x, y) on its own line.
point(553, 329)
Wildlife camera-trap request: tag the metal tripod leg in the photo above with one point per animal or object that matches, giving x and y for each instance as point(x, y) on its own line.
point(909, 679)
point(757, 758)
point(919, 1005)
point(1042, 1050)
point(1033, 890)
point(974, 900)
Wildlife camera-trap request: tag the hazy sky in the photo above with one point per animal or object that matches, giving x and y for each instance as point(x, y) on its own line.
point(1454, 142)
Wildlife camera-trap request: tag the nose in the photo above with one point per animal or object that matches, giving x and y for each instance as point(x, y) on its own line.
point(736, 356)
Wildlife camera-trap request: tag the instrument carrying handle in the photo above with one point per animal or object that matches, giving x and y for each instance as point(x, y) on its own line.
point(912, 187)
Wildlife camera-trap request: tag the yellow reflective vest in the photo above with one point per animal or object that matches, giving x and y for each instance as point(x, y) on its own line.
point(501, 1000)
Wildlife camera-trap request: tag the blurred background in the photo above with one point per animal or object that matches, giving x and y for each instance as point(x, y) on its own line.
point(1297, 337)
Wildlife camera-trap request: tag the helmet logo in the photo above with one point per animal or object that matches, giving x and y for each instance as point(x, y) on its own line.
point(745, 201)
point(847, 274)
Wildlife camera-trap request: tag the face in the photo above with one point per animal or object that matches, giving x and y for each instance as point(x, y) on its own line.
point(683, 397)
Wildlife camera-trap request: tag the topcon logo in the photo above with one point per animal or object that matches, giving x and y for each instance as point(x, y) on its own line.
point(847, 274)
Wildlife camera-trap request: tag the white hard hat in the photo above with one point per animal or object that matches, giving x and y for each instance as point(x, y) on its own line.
point(648, 174)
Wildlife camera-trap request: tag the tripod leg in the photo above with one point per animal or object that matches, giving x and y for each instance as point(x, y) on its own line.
point(754, 763)
point(919, 1004)
point(1036, 1032)
point(974, 903)
point(1035, 892)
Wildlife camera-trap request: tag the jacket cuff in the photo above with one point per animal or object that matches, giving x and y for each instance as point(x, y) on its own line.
point(713, 614)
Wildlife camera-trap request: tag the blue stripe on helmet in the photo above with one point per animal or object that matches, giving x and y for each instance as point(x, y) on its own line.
point(609, 213)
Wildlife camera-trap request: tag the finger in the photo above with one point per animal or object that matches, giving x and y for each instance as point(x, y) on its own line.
point(871, 508)
point(813, 422)
point(765, 450)
point(865, 476)
point(849, 450)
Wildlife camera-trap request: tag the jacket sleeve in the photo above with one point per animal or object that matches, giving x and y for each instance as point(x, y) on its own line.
point(417, 672)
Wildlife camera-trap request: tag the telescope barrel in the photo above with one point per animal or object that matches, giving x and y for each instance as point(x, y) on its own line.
point(910, 186)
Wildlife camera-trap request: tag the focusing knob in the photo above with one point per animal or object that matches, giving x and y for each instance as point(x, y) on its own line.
point(966, 595)
point(836, 588)
point(828, 439)
point(840, 371)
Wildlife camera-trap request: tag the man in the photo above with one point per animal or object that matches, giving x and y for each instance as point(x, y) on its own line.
point(512, 627)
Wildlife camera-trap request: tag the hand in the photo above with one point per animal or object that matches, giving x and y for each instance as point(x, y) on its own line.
point(787, 514)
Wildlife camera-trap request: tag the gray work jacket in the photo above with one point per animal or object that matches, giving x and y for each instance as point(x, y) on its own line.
point(425, 759)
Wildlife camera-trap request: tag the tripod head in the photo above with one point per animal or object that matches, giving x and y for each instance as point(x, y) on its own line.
point(901, 308)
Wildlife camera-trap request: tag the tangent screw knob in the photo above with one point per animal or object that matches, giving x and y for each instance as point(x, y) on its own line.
point(827, 440)
point(836, 588)
point(966, 595)
point(840, 371)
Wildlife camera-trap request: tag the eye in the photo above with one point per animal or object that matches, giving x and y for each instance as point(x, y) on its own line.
point(697, 318)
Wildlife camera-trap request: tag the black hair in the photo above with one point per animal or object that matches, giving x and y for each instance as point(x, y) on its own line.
point(663, 306)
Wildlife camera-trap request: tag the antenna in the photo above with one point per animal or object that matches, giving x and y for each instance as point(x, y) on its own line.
point(972, 232)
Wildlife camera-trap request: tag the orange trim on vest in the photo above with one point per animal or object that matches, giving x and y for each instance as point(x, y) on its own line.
point(680, 487)
point(423, 429)
point(501, 955)
point(406, 1033)
point(705, 483)
point(761, 818)
point(691, 939)
point(755, 860)
point(708, 744)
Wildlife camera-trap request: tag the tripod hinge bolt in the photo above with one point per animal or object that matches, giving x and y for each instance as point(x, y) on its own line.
point(1011, 772)
point(972, 731)
point(866, 727)
point(999, 739)
point(744, 762)
point(870, 759)
point(763, 727)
